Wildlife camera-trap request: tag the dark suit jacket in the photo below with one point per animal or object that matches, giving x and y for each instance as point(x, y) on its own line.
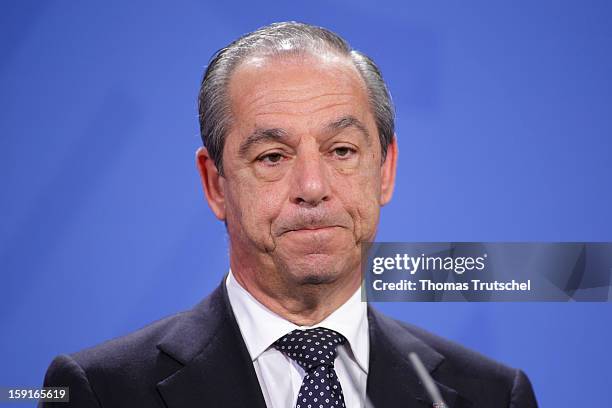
point(198, 359)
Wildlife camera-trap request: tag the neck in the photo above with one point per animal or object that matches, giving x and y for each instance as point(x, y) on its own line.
point(303, 304)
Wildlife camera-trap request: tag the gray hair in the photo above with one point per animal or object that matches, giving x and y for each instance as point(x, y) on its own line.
point(280, 39)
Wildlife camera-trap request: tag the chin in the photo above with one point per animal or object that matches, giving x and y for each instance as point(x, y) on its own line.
point(316, 280)
point(317, 269)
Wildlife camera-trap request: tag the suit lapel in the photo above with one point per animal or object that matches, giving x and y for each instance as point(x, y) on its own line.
point(392, 381)
point(217, 369)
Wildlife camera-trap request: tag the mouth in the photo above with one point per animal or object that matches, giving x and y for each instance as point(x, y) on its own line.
point(313, 228)
point(314, 231)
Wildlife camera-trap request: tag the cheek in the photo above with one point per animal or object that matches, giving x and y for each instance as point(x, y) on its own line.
point(368, 213)
point(360, 196)
point(253, 208)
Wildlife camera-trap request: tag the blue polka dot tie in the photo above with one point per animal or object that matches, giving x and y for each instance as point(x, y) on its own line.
point(315, 351)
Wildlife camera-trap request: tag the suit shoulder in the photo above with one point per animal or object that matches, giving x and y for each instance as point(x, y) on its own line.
point(124, 371)
point(480, 379)
point(459, 360)
point(124, 366)
point(65, 372)
point(132, 348)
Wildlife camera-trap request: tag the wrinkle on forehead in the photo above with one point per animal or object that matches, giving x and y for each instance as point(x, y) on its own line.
point(269, 108)
point(265, 87)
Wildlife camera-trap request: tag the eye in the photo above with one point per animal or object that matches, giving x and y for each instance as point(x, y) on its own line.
point(344, 152)
point(270, 158)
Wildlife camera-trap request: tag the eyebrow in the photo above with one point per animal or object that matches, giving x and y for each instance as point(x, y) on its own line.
point(348, 122)
point(277, 134)
point(261, 136)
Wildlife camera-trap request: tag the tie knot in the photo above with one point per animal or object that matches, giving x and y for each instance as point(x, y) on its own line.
point(310, 348)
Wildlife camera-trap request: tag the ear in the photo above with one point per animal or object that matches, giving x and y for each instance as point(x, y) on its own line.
point(388, 169)
point(212, 182)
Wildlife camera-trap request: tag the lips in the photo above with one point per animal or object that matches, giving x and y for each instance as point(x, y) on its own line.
point(320, 229)
point(308, 234)
point(313, 228)
point(312, 222)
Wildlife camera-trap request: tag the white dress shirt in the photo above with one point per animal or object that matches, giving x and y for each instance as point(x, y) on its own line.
point(279, 376)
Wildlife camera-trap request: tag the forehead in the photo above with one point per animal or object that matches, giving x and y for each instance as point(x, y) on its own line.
point(296, 92)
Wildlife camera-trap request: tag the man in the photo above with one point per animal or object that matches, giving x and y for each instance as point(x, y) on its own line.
point(299, 156)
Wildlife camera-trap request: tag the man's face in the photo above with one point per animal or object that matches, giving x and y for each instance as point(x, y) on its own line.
point(303, 181)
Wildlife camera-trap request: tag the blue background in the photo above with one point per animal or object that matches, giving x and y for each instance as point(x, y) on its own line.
point(504, 122)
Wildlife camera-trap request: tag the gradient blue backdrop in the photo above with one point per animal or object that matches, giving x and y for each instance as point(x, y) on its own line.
point(504, 117)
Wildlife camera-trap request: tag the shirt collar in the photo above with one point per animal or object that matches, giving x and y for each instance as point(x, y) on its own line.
point(260, 327)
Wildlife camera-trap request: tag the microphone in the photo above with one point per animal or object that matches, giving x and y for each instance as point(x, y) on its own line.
point(428, 382)
point(421, 371)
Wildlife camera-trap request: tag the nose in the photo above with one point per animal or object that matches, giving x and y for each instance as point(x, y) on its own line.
point(311, 184)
